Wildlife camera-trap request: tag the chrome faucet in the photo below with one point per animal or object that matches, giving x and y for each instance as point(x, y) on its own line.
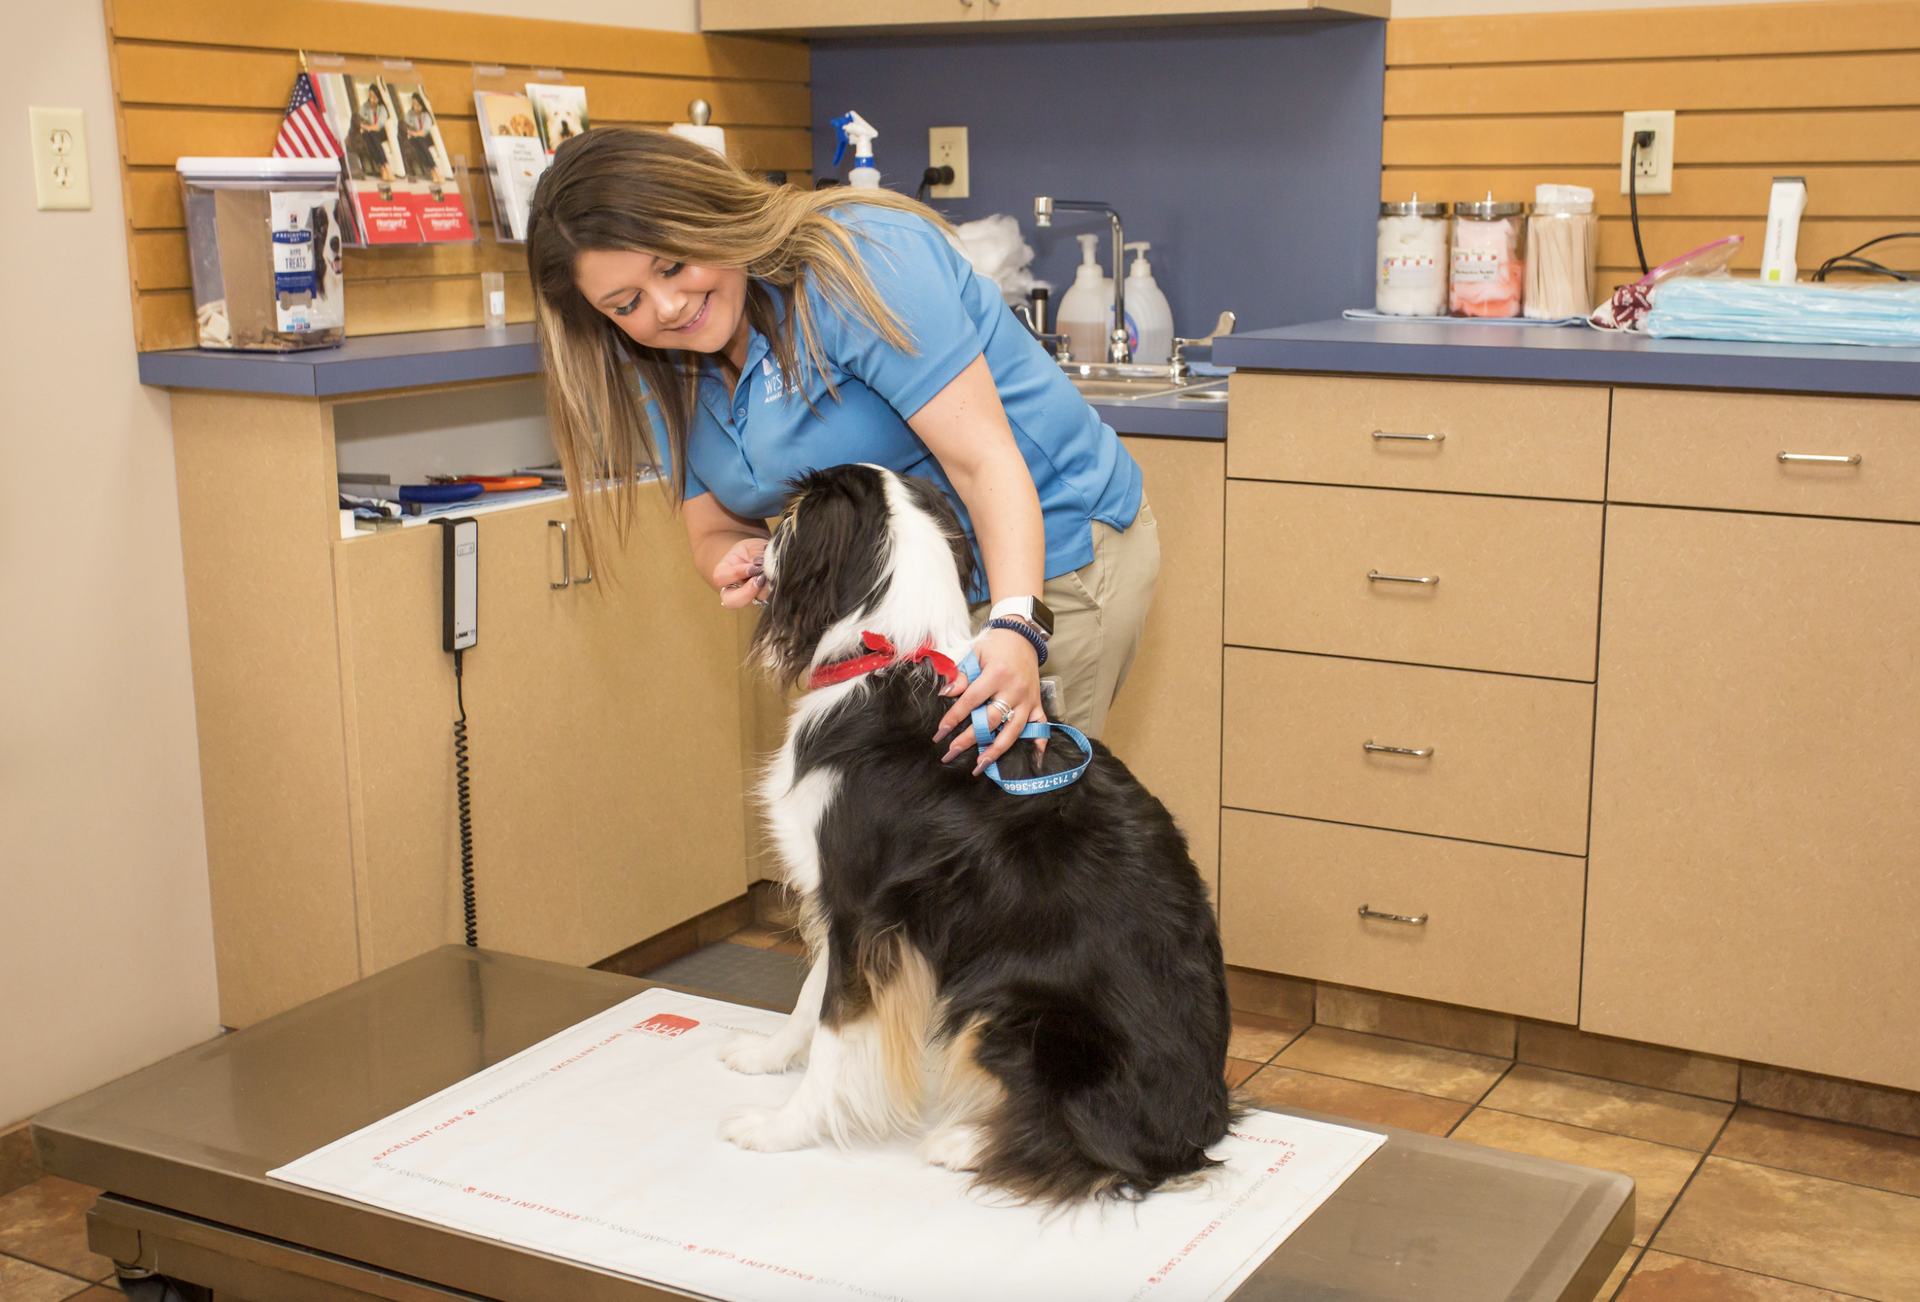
point(1118, 350)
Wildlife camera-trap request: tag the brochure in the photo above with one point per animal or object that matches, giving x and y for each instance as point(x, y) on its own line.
point(361, 111)
point(429, 186)
point(514, 154)
point(560, 111)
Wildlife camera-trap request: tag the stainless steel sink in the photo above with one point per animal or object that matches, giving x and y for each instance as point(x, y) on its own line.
point(1110, 387)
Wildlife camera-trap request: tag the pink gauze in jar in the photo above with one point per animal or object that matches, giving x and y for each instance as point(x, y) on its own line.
point(1488, 272)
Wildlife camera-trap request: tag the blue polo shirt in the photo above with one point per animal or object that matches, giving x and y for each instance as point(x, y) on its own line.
point(745, 444)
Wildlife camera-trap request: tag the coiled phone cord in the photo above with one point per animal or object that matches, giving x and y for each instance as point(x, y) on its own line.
point(466, 809)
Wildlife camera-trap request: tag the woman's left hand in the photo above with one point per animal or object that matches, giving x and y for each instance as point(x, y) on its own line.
point(1009, 675)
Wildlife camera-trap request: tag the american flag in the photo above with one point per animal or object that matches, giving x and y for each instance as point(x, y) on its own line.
point(305, 133)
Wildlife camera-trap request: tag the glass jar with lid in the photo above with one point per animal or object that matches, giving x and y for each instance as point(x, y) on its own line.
point(1487, 272)
point(1410, 259)
point(1563, 236)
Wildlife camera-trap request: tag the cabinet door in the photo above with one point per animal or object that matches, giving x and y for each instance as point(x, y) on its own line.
point(518, 688)
point(827, 16)
point(1166, 722)
point(654, 760)
point(1753, 888)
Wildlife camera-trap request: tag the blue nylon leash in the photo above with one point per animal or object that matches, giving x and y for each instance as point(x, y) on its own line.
point(984, 735)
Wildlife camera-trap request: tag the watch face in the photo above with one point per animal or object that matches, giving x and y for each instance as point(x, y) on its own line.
point(1042, 617)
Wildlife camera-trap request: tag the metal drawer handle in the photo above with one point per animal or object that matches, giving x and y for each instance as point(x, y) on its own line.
point(1418, 752)
point(566, 556)
point(1411, 438)
point(1818, 460)
point(1375, 576)
point(1417, 920)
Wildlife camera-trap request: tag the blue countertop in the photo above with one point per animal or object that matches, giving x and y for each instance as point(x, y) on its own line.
point(1570, 355)
point(366, 364)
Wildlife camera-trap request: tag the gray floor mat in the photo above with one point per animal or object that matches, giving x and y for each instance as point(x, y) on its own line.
point(738, 972)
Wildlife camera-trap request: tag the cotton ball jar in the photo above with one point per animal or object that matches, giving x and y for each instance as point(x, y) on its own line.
point(1410, 259)
point(1488, 270)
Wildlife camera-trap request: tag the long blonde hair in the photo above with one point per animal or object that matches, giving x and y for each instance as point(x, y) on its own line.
point(623, 188)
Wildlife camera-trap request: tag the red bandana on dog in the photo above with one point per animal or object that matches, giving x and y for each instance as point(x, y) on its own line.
point(880, 653)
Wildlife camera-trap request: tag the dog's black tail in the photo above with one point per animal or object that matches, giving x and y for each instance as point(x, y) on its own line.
point(1089, 1112)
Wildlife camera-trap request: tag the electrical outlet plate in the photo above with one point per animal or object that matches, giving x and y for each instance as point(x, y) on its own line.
point(947, 147)
point(60, 158)
point(1656, 172)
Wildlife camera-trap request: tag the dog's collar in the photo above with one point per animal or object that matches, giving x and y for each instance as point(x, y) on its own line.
point(880, 653)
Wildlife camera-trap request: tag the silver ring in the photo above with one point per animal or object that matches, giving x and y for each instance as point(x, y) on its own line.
point(1006, 711)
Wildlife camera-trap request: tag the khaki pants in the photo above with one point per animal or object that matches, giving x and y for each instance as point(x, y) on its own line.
point(1099, 611)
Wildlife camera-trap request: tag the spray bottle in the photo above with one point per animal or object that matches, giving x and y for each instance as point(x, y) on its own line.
point(851, 128)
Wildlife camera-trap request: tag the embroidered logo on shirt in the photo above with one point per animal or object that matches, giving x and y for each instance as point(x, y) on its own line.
point(774, 382)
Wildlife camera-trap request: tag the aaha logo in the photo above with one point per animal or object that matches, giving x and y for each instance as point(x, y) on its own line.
point(667, 1025)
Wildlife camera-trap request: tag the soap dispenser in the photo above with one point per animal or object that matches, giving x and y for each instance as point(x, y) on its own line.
point(1149, 319)
point(1086, 312)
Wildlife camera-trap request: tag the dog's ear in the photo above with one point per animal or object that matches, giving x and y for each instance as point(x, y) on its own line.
point(930, 499)
point(830, 554)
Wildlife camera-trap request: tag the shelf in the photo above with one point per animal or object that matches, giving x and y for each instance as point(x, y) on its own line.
point(367, 364)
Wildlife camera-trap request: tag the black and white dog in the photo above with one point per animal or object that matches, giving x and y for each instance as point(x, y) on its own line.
point(1030, 984)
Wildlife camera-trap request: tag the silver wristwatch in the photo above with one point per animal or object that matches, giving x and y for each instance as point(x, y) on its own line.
point(1033, 610)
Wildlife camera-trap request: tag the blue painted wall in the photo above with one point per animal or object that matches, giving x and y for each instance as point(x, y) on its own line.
point(1250, 154)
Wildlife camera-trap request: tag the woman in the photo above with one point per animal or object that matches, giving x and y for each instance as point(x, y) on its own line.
point(776, 330)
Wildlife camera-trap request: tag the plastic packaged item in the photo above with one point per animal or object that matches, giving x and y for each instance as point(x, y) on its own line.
point(1784, 206)
point(1149, 319)
point(1086, 313)
point(1720, 307)
point(1563, 237)
point(264, 242)
point(995, 248)
point(1627, 309)
point(1486, 275)
point(1410, 259)
point(852, 129)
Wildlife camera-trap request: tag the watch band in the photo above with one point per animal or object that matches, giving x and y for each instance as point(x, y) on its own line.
point(1030, 608)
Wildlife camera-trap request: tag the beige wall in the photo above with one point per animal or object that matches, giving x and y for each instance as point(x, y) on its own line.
point(106, 948)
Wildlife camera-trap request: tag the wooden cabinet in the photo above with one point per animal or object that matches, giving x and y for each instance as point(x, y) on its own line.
point(604, 722)
point(1500, 927)
point(848, 17)
point(1752, 889)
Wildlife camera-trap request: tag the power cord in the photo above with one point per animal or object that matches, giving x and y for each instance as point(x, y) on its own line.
point(1641, 140)
point(1852, 261)
point(942, 175)
point(466, 807)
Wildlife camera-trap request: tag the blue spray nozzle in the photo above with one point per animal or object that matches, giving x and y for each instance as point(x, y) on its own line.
point(851, 128)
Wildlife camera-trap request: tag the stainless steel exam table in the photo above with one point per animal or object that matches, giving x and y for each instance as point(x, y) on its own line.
point(182, 1149)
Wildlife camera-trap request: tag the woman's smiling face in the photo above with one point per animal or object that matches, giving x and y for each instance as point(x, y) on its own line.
point(661, 303)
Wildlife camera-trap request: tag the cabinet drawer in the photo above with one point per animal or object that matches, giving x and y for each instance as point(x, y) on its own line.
point(1521, 440)
point(1518, 587)
point(1502, 929)
point(1723, 450)
point(1509, 756)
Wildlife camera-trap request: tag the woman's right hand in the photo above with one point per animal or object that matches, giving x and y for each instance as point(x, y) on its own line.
point(738, 573)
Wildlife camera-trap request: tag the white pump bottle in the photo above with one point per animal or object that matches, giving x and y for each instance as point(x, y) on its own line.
point(1086, 313)
point(1149, 319)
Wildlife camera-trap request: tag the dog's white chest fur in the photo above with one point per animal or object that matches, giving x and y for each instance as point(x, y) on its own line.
point(794, 809)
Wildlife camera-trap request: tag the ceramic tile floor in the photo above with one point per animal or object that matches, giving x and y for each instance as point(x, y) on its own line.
point(1733, 1203)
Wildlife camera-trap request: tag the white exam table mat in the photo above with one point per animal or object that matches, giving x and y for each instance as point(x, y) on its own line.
point(599, 1145)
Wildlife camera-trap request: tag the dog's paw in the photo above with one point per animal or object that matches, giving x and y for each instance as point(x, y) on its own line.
point(753, 1054)
point(764, 1130)
point(955, 1147)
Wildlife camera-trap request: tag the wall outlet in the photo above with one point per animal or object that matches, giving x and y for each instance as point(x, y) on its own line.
point(1655, 175)
point(947, 147)
point(60, 174)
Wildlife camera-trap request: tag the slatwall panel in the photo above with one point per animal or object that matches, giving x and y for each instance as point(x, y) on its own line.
point(1828, 90)
point(213, 76)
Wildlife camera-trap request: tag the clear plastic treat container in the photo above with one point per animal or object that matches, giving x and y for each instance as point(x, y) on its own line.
point(264, 240)
point(1488, 272)
point(1410, 259)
